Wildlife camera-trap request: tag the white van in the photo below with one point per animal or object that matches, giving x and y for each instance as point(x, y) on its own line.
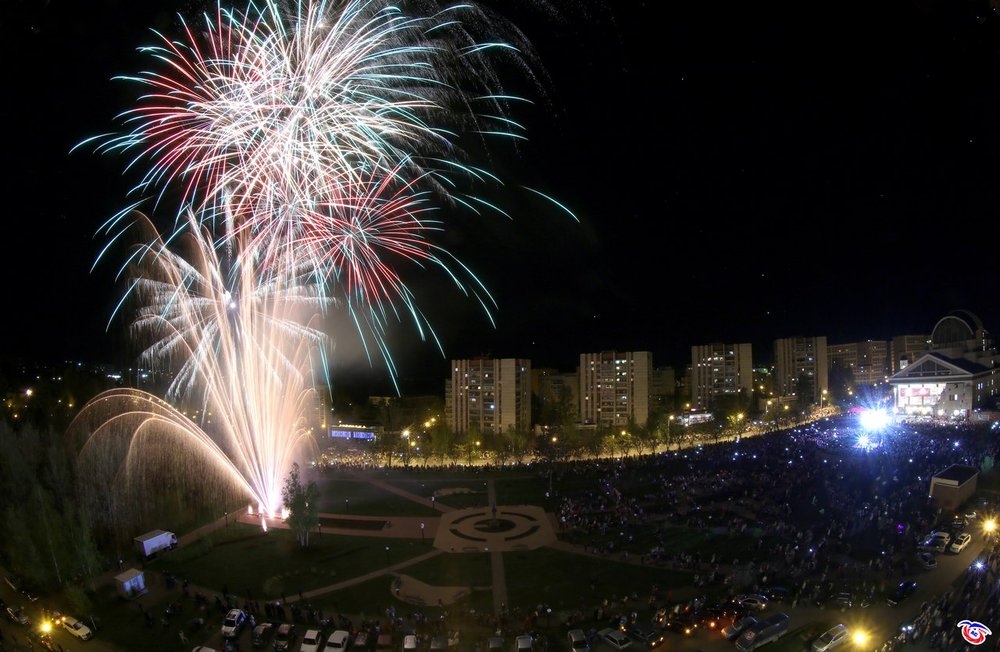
point(522, 643)
point(765, 631)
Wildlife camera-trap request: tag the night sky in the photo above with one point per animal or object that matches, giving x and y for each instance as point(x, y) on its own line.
point(741, 173)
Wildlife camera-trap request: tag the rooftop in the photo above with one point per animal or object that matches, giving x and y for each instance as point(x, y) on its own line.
point(958, 473)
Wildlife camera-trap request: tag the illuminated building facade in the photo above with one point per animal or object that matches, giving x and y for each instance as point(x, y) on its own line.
point(867, 362)
point(488, 395)
point(957, 377)
point(614, 387)
point(720, 370)
point(800, 368)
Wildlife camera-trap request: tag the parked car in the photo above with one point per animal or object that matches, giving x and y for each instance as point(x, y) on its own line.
point(752, 601)
point(202, 648)
point(578, 641)
point(685, 624)
point(716, 615)
point(523, 643)
point(842, 601)
point(439, 644)
point(901, 592)
point(615, 638)
point(960, 542)
point(775, 593)
point(732, 632)
point(76, 628)
point(383, 643)
point(831, 639)
point(17, 615)
point(410, 642)
point(311, 641)
point(233, 623)
point(936, 542)
point(494, 644)
point(284, 637)
point(926, 560)
point(262, 635)
point(770, 629)
point(645, 635)
point(337, 641)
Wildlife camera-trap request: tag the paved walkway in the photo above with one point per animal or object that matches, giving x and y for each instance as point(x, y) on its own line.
point(496, 560)
point(388, 570)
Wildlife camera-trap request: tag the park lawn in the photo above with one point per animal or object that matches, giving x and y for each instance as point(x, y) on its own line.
point(465, 501)
point(673, 539)
point(463, 569)
point(370, 599)
point(427, 488)
point(273, 565)
point(566, 581)
point(524, 490)
point(355, 496)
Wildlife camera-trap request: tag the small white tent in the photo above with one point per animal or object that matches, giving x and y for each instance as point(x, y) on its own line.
point(131, 583)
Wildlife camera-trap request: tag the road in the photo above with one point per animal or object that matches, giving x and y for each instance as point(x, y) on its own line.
point(34, 610)
point(880, 620)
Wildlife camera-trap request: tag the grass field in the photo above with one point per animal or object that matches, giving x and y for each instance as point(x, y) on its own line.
point(564, 581)
point(241, 558)
point(466, 569)
point(350, 496)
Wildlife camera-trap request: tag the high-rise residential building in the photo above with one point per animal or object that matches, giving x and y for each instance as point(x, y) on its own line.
point(720, 370)
point(558, 392)
point(488, 395)
point(904, 349)
point(662, 389)
point(867, 362)
point(800, 368)
point(614, 387)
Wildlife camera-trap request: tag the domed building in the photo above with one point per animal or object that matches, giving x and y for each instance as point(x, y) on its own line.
point(956, 378)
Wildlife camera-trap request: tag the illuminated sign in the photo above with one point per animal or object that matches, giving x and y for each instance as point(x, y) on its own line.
point(365, 435)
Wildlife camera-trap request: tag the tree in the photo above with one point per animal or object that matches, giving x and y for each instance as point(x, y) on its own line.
point(520, 444)
point(302, 503)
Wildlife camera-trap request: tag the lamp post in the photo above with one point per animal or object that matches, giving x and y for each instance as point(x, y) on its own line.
point(552, 463)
